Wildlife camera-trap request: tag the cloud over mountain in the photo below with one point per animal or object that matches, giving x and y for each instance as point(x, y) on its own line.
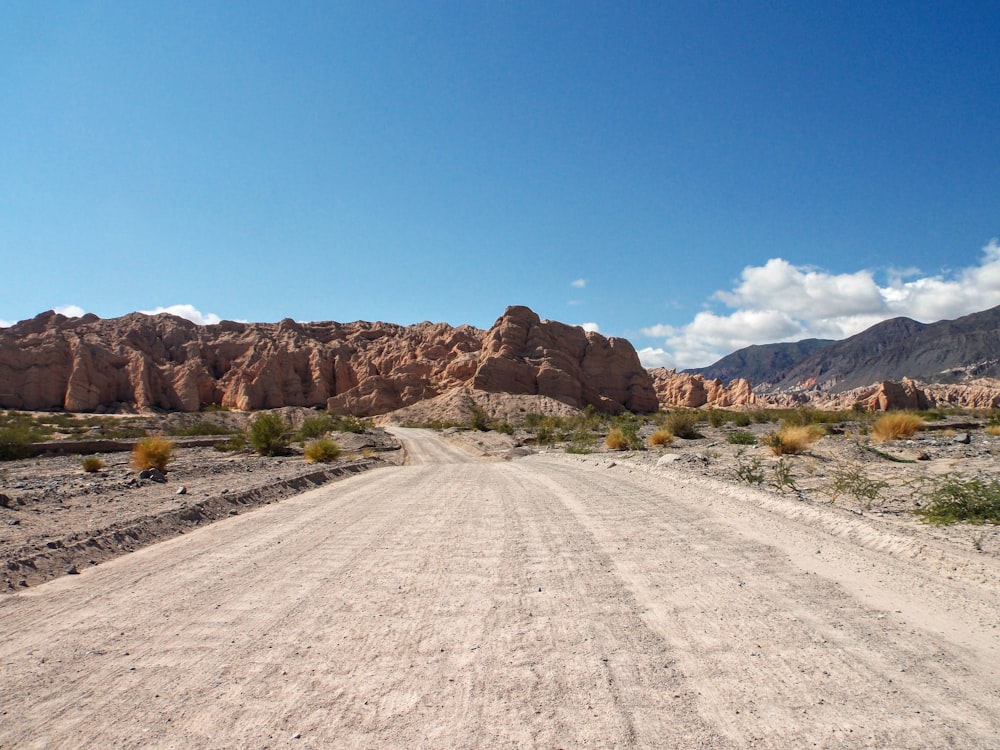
point(783, 302)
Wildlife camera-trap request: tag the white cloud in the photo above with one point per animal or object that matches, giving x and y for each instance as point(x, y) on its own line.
point(654, 357)
point(592, 327)
point(189, 312)
point(783, 302)
point(70, 311)
point(6, 323)
point(578, 283)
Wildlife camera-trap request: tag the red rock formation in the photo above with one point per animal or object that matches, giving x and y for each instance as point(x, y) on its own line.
point(523, 354)
point(166, 362)
point(692, 391)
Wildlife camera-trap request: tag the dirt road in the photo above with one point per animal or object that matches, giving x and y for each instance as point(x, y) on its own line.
point(552, 601)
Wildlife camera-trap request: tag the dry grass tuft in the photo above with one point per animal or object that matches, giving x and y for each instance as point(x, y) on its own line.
point(662, 436)
point(993, 429)
point(616, 440)
point(896, 426)
point(793, 439)
point(321, 451)
point(152, 453)
point(91, 464)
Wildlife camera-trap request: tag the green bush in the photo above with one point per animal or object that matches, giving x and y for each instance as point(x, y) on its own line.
point(478, 420)
point(749, 471)
point(953, 500)
point(270, 435)
point(15, 442)
point(741, 419)
point(201, 429)
point(315, 427)
point(741, 437)
point(321, 451)
point(235, 444)
point(683, 423)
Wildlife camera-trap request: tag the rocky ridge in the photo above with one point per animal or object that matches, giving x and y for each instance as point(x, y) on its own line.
point(165, 362)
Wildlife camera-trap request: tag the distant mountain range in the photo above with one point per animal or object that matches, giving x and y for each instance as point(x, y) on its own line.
point(949, 351)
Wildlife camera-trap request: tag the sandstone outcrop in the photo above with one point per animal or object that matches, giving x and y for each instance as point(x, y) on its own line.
point(692, 391)
point(164, 362)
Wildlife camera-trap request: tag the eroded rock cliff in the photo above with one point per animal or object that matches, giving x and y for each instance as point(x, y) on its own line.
point(166, 362)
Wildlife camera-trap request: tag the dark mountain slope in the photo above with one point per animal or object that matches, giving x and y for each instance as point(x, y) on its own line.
point(761, 365)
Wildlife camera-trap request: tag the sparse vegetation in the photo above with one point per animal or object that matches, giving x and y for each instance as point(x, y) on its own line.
point(792, 439)
point(741, 419)
point(783, 478)
point(993, 429)
point(321, 451)
point(15, 442)
point(662, 436)
point(850, 478)
point(152, 453)
point(315, 427)
point(683, 423)
point(479, 420)
point(616, 440)
point(91, 464)
point(203, 428)
point(741, 437)
point(896, 426)
point(955, 500)
point(749, 470)
point(270, 435)
point(235, 444)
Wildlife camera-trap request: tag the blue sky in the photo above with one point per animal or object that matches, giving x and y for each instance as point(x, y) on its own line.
point(693, 176)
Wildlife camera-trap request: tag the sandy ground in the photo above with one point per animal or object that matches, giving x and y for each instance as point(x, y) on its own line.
point(549, 601)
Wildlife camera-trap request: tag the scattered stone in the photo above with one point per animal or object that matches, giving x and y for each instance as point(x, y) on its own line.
point(72, 571)
point(156, 475)
point(667, 458)
point(182, 490)
point(13, 522)
point(4, 501)
point(963, 438)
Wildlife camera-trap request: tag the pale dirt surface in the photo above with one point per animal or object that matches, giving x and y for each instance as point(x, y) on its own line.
point(59, 516)
point(549, 601)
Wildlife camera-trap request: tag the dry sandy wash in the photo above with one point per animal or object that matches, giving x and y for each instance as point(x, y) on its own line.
point(552, 601)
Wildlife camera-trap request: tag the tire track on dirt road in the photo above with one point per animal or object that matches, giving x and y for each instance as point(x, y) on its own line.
point(461, 603)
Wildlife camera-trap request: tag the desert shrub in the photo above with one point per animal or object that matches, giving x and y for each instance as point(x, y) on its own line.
point(850, 478)
point(993, 429)
point(749, 470)
point(152, 453)
point(783, 479)
point(662, 436)
point(91, 464)
point(761, 416)
point(15, 442)
point(741, 419)
point(627, 426)
point(716, 417)
point(503, 427)
point(201, 428)
point(235, 444)
point(683, 423)
point(315, 427)
point(270, 435)
point(478, 419)
point(953, 500)
point(741, 437)
point(616, 440)
point(792, 439)
point(321, 451)
point(896, 426)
